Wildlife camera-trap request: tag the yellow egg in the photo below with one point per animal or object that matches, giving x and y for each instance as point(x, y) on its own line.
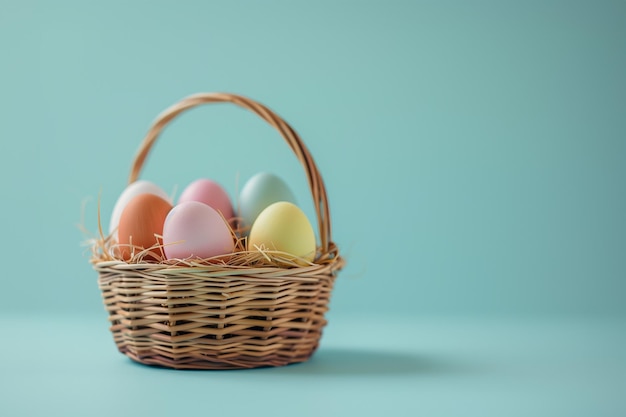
point(283, 227)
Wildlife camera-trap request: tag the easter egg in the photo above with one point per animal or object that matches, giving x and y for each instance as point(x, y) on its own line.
point(141, 220)
point(284, 227)
point(131, 191)
point(195, 230)
point(259, 192)
point(210, 193)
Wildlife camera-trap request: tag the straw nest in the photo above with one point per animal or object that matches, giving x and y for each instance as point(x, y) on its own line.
point(246, 309)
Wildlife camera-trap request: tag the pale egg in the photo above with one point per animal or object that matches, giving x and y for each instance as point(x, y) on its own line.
point(259, 192)
point(283, 227)
point(196, 230)
point(210, 193)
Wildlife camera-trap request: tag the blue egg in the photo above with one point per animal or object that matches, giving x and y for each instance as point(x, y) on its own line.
point(261, 191)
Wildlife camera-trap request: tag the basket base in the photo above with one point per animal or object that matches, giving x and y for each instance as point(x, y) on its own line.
point(207, 362)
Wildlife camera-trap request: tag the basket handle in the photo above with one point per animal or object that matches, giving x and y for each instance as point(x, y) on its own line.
point(318, 190)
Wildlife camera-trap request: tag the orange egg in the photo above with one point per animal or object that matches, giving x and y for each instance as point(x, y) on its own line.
point(141, 220)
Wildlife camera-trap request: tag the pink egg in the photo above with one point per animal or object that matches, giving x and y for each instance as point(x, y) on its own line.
point(210, 193)
point(195, 230)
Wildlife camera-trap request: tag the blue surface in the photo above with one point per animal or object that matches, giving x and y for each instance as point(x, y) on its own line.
point(68, 366)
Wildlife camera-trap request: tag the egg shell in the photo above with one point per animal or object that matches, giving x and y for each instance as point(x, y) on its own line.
point(210, 193)
point(195, 230)
point(141, 220)
point(259, 192)
point(131, 191)
point(283, 227)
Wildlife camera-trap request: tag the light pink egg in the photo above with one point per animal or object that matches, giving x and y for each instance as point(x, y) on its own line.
point(210, 193)
point(195, 230)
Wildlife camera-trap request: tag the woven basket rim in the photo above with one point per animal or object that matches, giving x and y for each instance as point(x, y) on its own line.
point(182, 269)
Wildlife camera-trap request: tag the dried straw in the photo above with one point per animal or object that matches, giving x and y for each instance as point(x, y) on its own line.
point(242, 310)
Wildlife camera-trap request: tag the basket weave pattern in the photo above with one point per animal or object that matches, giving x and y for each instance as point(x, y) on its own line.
point(220, 316)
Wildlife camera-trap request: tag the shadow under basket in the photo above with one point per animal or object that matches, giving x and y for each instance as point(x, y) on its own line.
point(220, 316)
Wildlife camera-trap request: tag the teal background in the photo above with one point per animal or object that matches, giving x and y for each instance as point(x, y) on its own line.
point(474, 155)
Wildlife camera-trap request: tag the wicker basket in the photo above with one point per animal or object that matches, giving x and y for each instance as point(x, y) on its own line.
point(203, 316)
